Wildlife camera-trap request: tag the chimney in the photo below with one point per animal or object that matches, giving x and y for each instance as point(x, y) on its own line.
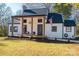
point(24, 7)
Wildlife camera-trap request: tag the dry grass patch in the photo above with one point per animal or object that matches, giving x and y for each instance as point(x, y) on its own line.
point(33, 48)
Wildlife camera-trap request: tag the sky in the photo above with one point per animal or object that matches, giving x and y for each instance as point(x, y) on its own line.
point(14, 6)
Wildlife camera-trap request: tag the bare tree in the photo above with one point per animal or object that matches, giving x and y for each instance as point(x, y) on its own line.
point(5, 13)
point(49, 6)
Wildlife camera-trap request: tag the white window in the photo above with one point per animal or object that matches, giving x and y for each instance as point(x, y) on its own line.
point(68, 29)
point(15, 29)
point(54, 29)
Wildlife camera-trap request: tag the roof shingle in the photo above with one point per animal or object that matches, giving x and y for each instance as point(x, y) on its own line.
point(56, 18)
point(69, 23)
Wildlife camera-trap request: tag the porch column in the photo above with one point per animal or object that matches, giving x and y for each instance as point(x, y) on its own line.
point(44, 26)
point(32, 27)
point(21, 19)
point(12, 25)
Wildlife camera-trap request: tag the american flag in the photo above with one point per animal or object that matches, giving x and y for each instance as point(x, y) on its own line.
point(50, 20)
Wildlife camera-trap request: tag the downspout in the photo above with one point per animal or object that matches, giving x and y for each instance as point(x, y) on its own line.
point(12, 25)
point(75, 27)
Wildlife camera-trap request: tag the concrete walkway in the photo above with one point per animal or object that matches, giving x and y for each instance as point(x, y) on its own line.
point(72, 40)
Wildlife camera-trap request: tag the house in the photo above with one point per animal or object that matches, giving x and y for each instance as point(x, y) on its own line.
point(30, 23)
point(40, 23)
point(59, 28)
point(69, 29)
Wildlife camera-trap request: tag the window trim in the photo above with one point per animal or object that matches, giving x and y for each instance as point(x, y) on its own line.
point(68, 30)
point(13, 29)
point(10, 28)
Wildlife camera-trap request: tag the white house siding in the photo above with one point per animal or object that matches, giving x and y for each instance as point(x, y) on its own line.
point(70, 34)
point(17, 22)
point(19, 33)
point(51, 34)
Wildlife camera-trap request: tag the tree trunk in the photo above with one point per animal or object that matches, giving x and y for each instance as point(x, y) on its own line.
point(2, 28)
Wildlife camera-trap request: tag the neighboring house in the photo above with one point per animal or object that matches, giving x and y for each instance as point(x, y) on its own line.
point(69, 29)
point(40, 23)
point(55, 28)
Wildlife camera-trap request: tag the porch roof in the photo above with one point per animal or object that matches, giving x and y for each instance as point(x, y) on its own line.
point(33, 12)
point(39, 11)
point(26, 15)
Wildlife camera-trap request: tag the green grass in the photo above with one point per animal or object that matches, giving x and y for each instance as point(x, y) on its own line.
point(32, 48)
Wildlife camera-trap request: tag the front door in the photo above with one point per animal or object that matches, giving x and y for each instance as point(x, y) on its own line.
point(39, 29)
point(24, 29)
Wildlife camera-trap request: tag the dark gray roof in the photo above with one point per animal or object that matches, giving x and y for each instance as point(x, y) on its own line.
point(41, 11)
point(31, 12)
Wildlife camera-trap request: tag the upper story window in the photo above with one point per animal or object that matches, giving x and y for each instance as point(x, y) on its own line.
point(68, 29)
point(54, 28)
point(39, 20)
point(24, 21)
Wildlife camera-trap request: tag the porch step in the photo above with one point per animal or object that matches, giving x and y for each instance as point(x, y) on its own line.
point(34, 36)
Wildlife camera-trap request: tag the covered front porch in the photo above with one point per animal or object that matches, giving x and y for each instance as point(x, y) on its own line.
point(31, 26)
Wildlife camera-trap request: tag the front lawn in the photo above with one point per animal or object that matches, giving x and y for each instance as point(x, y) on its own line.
point(33, 48)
